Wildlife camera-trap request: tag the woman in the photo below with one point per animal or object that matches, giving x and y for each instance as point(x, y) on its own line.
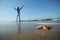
point(18, 12)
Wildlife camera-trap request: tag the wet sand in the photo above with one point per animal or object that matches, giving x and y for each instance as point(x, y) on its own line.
point(34, 34)
point(38, 35)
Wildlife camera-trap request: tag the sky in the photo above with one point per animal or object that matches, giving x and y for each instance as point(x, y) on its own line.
point(33, 9)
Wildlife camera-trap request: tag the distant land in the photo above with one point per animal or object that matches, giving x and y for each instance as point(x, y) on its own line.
point(49, 19)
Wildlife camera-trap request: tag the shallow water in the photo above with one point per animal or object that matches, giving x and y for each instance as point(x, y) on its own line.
point(28, 31)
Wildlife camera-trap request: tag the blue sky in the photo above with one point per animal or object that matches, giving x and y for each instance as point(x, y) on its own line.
point(33, 9)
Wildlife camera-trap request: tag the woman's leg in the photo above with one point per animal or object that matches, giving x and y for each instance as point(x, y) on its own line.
point(17, 17)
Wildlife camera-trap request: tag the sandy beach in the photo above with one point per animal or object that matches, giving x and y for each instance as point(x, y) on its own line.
point(33, 33)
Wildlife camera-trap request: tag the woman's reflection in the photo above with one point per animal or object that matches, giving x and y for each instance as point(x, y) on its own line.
point(19, 26)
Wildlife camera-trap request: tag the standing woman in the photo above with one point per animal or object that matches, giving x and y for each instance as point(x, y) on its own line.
point(18, 12)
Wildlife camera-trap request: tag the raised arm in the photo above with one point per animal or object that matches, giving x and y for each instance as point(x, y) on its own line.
point(22, 7)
